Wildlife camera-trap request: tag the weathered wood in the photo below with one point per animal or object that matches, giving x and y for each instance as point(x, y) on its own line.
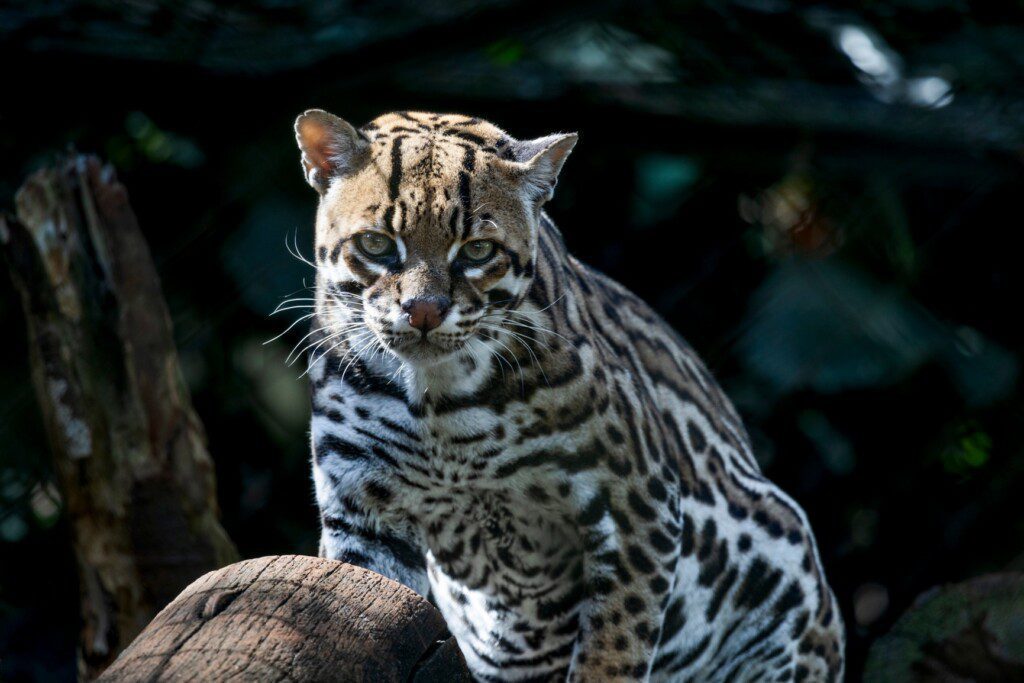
point(297, 619)
point(129, 450)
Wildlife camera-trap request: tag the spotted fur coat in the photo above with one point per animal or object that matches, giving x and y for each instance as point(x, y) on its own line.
point(501, 428)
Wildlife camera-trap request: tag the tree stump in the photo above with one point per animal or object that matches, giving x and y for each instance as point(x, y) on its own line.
point(297, 619)
point(129, 450)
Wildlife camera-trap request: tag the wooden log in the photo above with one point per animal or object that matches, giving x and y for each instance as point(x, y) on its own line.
point(297, 619)
point(129, 450)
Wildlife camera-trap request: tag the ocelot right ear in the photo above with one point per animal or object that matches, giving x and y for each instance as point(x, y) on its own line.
point(330, 147)
point(541, 160)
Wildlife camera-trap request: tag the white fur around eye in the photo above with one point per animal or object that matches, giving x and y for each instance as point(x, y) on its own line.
point(453, 251)
point(375, 267)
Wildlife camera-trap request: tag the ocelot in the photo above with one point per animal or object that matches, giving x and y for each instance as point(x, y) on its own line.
point(505, 430)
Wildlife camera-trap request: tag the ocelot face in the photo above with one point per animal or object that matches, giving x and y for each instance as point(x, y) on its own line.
point(426, 231)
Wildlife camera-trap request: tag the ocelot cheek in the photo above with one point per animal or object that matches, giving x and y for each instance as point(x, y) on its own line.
point(468, 300)
point(500, 297)
point(345, 289)
point(376, 300)
point(379, 297)
point(488, 275)
point(504, 287)
point(375, 295)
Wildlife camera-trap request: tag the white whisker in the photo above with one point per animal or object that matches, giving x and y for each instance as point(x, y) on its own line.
point(289, 328)
point(297, 253)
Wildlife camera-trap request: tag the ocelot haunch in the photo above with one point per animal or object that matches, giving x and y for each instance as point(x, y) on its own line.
point(518, 437)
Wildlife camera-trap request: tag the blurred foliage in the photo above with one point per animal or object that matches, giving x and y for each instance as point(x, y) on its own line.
point(967, 631)
point(820, 197)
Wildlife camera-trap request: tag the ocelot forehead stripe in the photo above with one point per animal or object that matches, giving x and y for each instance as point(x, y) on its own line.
point(395, 179)
point(465, 196)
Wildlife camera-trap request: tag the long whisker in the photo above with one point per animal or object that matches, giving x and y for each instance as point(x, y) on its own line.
point(523, 341)
point(497, 355)
point(345, 338)
point(522, 380)
point(313, 347)
point(500, 325)
point(530, 326)
point(355, 354)
point(297, 253)
point(304, 338)
point(539, 310)
point(335, 331)
point(294, 307)
point(522, 338)
point(289, 328)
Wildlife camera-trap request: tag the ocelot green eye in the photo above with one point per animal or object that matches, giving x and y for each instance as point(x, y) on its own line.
point(375, 245)
point(477, 251)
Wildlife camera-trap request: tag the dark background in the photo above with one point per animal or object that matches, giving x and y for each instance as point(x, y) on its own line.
point(822, 198)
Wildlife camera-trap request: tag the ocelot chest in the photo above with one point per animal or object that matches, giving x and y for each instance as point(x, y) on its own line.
point(501, 542)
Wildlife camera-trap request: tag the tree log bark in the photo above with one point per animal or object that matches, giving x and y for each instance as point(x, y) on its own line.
point(129, 449)
point(297, 619)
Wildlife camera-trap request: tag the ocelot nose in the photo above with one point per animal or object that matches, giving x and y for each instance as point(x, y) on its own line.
point(426, 312)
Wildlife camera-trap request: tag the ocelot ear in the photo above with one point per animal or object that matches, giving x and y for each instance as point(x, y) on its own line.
point(330, 147)
point(541, 160)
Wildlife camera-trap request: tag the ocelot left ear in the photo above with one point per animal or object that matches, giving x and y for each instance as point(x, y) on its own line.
point(330, 147)
point(541, 160)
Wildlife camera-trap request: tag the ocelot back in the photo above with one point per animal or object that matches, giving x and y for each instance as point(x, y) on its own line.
point(501, 428)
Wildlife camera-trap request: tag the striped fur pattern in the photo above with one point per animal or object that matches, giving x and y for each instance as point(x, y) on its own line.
point(552, 464)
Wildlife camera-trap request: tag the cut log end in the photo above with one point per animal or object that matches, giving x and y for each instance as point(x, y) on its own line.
point(294, 618)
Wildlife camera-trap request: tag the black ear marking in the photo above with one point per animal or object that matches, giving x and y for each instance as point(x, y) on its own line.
point(330, 147)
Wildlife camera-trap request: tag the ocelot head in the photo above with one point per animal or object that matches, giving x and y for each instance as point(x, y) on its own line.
point(426, 232)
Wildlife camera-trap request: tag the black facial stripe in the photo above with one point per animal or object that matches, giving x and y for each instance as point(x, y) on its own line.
point(396, 167)
point(336, 251)
point(350, 287)
point(468, 164)
point(337, 248)
point(362, 265)
point(408, 117)
point(469, 137)
point(517, 265)
point(394, 182)
point(491, 269)
point(499, 297)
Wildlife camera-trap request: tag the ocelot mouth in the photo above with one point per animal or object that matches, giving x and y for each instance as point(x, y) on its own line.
point(424, 347)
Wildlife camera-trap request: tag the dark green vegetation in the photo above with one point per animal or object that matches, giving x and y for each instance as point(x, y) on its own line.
point(822, 200)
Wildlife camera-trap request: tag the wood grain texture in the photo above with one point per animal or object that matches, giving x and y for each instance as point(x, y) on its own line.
point(292, 618)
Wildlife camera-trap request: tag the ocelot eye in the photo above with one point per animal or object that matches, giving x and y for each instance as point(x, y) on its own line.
point(375, 245)
point(477, 251)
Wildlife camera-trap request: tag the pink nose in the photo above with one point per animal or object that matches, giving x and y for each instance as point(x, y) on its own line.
point(426, 313)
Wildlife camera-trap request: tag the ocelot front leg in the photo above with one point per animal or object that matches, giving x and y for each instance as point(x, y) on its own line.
point(360, 528)
point(355, 537)
point(631, 553)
